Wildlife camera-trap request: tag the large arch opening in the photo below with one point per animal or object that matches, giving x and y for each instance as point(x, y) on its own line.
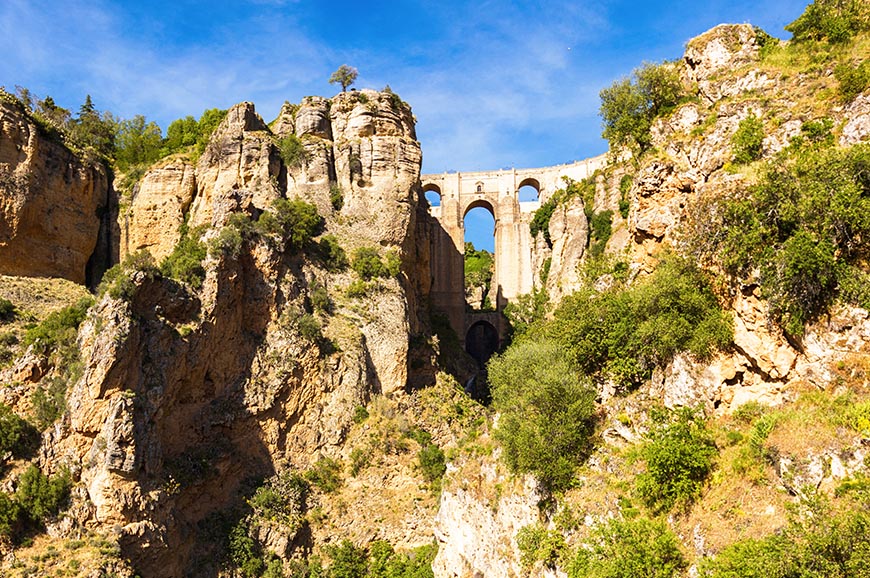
point(481, 343)
point(479, 259)
point(433, 194)
point(529, 190)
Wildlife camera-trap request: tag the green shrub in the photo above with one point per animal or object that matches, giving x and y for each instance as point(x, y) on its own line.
point(283, 498)
point(16, 435)
point(228, 242)
point(479, 267)
point(853, 80)
point(48, 404)
point(622, 334)
point(547, 411)
point(600, 227)
point(366, 262)
point(308, 327)
point(831, 20)
point(58, 329)
point(392, 263)
point(541, 220)
point(117, 281)
point(679, 452)
point(805, 223)
point(746, 144)
point(331, 254)
point(11, 516)
point(294, 221)
point(348, 561)
point(360, 414)
point(7, 310)
point(325, 474)
point(336, 196)
point(41, 496)
point(431, 462)
point(629, 106)
point(820, 541)
point(622, 548)
point(320, 298)
point(624, 187)
point(537, 544)
point(293, 152)
point(528, 310)
point(359, 459)
point(137, 142)
point(185, 262)
point(245, 553)
point(357, 289)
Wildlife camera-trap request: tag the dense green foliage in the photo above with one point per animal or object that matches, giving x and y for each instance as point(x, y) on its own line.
point(541, 219)
point(600, 229)
point(820, 542)
point(293, 151)
point(623, 333)
point(16, 435)
point(527, 310)
point(331, 254)
point(852, 79)
point(746, 142)
point(295, 222)
point(679, 452)
point(537, 544)
point(629, 106)
point(336, 196)
point(325, 474)
point(7, 310)
point(187, 133)
point(379, 560)
point(831, 20)
point(137, 142)
point(185, 262)
point(58, 330)
point(547, 411)
point(36, 498)
point(479, 267)
point(117, 281)
point(283, 498)
point(636, 547)
point(801, 232)
point(367, 263)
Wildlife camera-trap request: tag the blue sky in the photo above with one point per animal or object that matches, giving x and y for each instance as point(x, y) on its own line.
point(492, 84)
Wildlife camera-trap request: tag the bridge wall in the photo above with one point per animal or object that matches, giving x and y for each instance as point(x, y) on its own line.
point(498, 192)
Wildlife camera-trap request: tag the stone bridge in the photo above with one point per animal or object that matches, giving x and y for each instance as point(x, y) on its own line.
point(497, 192)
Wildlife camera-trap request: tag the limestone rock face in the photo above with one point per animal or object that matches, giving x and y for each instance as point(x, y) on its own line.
point(476, 531)
point(158, 206)
point(857, 117)
point(569, 232)
point(51, 202)
point(239, 168)
point(726, 46)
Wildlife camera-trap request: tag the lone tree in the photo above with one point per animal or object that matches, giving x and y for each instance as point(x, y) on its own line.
point(345, 76)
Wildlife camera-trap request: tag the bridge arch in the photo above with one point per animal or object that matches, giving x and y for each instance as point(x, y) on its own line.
point(482, 203)
point(528, 189)
point(432, 193)
point(482, 341)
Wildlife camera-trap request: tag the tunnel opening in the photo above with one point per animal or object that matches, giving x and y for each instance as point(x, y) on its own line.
point(481, 343)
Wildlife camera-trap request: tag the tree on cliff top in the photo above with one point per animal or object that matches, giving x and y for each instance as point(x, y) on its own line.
point(345, 76)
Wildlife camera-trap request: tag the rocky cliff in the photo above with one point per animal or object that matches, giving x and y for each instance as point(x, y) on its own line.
point(56, 204)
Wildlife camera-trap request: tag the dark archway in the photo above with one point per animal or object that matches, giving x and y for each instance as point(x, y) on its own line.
point(481, 342)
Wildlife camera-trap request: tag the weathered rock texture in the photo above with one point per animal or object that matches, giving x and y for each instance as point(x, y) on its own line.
point(188, 395)
point(52, 202)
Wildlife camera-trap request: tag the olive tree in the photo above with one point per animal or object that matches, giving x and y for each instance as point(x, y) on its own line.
point(345, 76)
